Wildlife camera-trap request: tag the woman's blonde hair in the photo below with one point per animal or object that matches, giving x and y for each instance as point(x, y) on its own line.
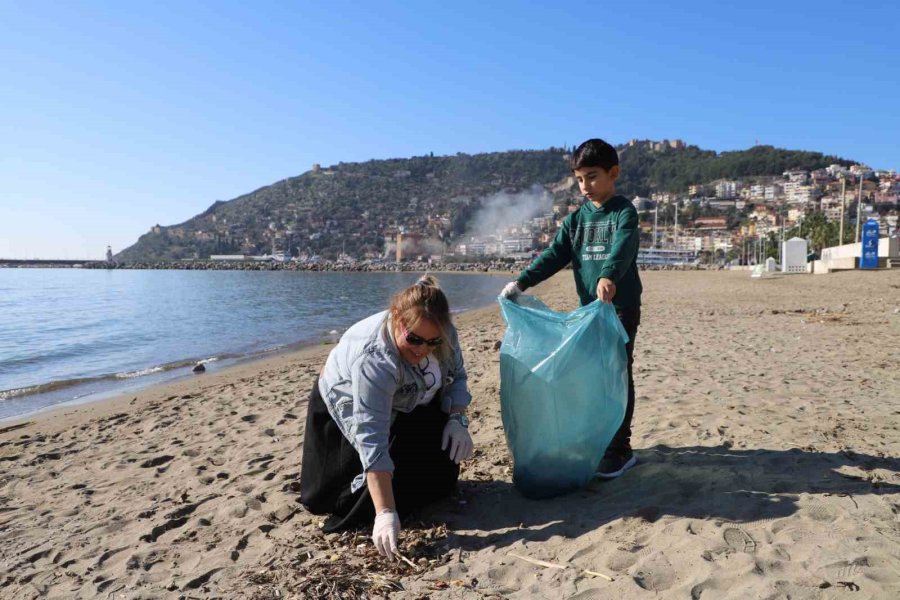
point(424, 300)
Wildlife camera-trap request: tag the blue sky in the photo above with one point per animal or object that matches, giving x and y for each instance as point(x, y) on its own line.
point(115, 116)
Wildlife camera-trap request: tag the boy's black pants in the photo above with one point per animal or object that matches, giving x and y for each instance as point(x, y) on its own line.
point(631, 319)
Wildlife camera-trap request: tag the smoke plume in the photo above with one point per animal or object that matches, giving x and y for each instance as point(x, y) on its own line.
point(502, 210)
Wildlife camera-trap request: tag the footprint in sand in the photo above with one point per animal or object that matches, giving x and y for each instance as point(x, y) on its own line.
point(141, 561)
point(504, 580)
point(108, 554)
point(621, 561)
point(739, 540)
point(848, 569)
point(707, 586)
point(818, 511)
point(155, 462)
point(591, 594)
point(655, 574)
point(199, 581)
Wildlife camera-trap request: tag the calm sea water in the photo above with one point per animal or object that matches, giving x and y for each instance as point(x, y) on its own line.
point(72, 334)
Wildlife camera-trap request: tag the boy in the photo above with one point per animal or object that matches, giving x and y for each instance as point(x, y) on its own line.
point(601, 241)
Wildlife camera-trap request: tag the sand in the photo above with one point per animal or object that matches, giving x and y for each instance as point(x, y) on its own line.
point(766, 431)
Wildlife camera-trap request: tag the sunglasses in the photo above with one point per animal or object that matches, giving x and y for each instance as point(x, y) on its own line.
point(415, 340)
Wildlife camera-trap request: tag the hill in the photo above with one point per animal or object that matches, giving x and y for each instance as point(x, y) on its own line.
point(352, 206)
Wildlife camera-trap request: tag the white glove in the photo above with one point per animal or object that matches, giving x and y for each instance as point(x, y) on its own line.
point(459, 441)
point(386, 532)
point(511, 290)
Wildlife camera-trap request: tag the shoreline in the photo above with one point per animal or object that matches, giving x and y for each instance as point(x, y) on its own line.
point(287, 354)
point(84, 390)
point(270, 265)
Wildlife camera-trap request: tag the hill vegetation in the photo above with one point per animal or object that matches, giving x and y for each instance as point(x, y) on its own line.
point(350, 207)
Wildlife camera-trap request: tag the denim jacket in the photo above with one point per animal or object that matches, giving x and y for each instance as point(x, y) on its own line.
point(365, 382)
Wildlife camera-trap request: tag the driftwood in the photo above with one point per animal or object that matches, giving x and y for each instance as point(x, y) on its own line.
point(550, 565)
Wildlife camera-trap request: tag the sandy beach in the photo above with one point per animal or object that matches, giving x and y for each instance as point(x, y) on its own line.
point(767, 430)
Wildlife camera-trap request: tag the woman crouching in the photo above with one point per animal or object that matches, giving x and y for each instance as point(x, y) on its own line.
point(386, 426)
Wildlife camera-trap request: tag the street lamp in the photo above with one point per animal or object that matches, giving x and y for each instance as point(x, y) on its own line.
point(843, 209)
point(859, 207)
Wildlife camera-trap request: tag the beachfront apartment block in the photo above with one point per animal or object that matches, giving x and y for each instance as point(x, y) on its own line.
point(693, 243)
point(523, 243)
point(709, 241)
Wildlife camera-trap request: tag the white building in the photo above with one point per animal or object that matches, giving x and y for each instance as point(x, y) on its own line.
point(795, 214)
point(684, 242)
point(762, 192)
point(797, 193)
point(641, 204)
point(796, 176)
point(517, 244)
point(831, 208)
point(726, 189)
point(837, 170)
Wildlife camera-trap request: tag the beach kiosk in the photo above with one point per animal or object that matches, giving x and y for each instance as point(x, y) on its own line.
point(869, 254)
point(793, 255)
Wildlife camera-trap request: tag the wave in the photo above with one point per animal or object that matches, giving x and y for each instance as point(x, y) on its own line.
point(55, 386)
point(140, 373)
point(44, 387)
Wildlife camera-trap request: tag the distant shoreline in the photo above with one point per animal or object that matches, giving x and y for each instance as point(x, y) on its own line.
point(264, 265)
point(488, 267)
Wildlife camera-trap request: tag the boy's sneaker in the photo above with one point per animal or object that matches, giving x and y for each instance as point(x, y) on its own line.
point(615, 462)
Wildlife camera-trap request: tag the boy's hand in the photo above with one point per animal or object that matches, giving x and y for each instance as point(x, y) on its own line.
point(606, 290)
point(511, 290)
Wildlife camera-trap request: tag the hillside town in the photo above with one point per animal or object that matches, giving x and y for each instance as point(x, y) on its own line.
point(724, 221)
point(509, 206)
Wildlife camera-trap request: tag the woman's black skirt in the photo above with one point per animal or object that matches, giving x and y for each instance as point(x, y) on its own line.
point(423, 472)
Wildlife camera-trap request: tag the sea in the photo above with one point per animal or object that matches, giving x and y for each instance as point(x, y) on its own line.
point(78, 335)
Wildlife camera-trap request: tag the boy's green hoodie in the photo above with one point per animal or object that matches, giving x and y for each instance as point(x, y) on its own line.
point(599, 242)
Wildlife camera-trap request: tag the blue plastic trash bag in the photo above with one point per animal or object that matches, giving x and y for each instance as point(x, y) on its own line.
point(563, 391)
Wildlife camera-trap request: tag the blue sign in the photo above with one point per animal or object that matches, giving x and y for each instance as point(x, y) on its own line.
point(869, 257)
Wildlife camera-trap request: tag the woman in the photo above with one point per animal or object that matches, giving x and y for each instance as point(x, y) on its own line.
point(386, 426)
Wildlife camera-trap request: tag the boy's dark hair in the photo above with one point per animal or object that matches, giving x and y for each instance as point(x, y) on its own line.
point(594, 153)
